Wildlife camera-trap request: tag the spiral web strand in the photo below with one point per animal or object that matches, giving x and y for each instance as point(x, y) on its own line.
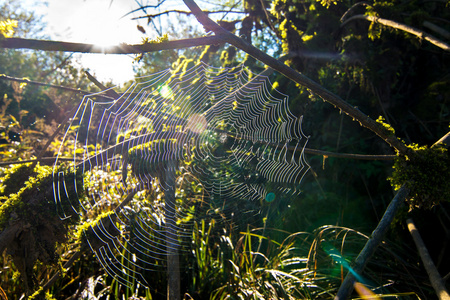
point(223, 139)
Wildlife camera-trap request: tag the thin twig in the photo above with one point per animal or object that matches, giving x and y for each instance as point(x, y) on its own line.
point(183, 12)
point(143, 7)
point(349, 155)
point(357, 4)
point(108, 91)
point(60, 87)
point(437, 29)
point(57, 131)
point(56, 276)
point(266, 14)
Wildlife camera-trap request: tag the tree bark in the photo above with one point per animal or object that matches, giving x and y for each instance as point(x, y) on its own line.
point(433, 274)
point(19, 43)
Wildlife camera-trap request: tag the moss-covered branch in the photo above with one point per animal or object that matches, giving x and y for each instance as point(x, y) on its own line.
point(396, 25)
point(29, 223)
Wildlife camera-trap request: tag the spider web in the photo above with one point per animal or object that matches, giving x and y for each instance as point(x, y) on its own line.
point(221, 140)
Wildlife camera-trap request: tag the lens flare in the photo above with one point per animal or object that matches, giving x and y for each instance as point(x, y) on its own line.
point(197, 123)
point(165, 91)
point(270, 197)
point(364, 292)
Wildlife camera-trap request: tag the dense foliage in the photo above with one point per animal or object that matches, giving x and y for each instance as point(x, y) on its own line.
point(302, 246)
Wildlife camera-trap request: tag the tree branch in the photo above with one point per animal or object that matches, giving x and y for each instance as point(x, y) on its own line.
point(301, 79)
point(437, 29)
point(349, 155)
point(9, 78)
point(143, 7)
point(116, 96)
point(376, 238)
point(47, 160)
point(19, 43)
point(221, 36)
point(108, 91)
point(393, 24)
point(183, 12)
point(372, 244)
point(433, 274)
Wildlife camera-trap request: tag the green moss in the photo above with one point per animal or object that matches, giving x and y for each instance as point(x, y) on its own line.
point(427, 175)
point(49, 296)
point(36, 294)
point(33, 205)
point(38, 184)
point(83, 229)
point(16, 182)
point(15, 177)
point(389, 129)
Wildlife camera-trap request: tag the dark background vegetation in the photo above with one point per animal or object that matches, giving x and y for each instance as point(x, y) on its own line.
point(383, 71)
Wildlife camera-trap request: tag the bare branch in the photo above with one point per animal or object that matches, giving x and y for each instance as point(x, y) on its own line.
point(357, 4)
point(143, 7)
point(393, 24)
point(349, 155)
point(433, 274)
point(187, 13)
point(108, 91)
point(19, 43)
point(437, 29)
point(10, 78)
